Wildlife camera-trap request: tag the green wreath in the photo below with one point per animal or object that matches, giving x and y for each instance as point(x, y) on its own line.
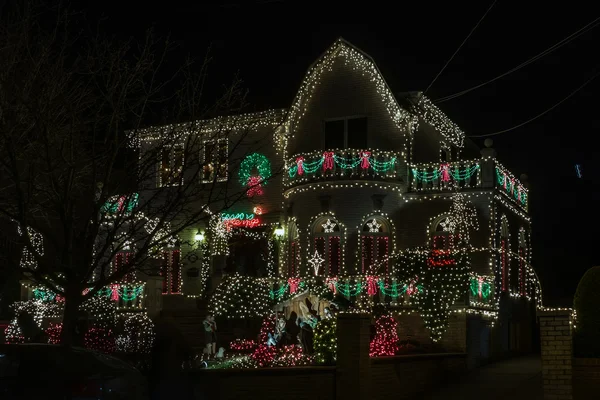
point(258, 161)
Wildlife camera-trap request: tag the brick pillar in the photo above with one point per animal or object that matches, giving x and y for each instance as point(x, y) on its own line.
point(557, 354)
point(353, 365)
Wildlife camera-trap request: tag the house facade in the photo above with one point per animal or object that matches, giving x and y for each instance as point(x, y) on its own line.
point(349, 186)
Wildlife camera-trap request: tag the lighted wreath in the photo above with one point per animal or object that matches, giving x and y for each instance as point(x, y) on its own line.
point(251, 163)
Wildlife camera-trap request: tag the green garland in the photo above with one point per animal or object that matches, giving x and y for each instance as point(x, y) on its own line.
point(254, 161)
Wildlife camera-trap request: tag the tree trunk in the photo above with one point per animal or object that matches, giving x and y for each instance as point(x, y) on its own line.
point(69, 334)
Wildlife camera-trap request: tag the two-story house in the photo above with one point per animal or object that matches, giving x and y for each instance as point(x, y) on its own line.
point(345, 186)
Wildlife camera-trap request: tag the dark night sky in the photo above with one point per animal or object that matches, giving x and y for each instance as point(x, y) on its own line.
point(272, 43)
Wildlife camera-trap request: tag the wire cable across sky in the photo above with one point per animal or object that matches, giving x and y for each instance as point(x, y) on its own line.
point(542, 113)
point(549, 50)
point(459, 47)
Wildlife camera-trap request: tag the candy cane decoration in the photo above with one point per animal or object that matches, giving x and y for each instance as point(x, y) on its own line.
point(512, 186)
point(480, 286)
point(364, 163)
point(300, 164)
point(327, 160)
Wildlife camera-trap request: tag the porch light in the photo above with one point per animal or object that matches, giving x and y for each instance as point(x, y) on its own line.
point(279, 231)
point(199, 237)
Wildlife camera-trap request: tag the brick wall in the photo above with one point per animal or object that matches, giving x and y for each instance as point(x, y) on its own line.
point(557, 353)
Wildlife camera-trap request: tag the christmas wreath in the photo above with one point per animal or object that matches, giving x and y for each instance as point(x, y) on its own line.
point(251, 162)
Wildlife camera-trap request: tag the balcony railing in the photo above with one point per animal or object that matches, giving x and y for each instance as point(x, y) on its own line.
point(446, 176)
point(510, 186)
point(341, 165)
point(466, 174)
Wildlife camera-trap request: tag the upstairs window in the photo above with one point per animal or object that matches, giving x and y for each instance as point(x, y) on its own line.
point(171, 167)
point(215, 160)
point(346, 133)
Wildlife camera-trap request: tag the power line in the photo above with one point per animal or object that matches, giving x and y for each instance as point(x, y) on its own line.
point(542, 113)
point(549, 50)
point(461, 45)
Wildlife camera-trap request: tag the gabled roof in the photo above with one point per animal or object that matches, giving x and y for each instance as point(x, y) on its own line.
point(342, 48)
point(400, 114)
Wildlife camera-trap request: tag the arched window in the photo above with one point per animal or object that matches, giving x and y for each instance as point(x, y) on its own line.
point(375, 244)
point(326, 255)
point(504, 256)
point(293, 250)
point(523, 262)
point(443, 233)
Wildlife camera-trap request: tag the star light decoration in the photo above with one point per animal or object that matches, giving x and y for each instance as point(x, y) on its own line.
point(329, 226)
point(373, 226)
point(447, 224)
point(316, 261)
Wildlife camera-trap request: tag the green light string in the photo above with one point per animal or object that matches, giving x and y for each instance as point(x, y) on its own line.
point(515, 192)
point(425, 176)
point(106, 292)
point(347, 163)
point(486, 288)
point(393, 292)
point(278, 294)
point(130, 293)
point(343, 163)
point(44, 295)
point(457, 174)
point(465, 174)
point(348, 290)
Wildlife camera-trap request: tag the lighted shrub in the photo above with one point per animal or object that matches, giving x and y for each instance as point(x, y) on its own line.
point(587, 304)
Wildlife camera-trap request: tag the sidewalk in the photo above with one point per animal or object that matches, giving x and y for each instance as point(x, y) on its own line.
point(515, 379)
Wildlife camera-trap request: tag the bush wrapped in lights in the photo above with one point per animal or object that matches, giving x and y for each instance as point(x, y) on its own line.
point(325, 342)
point(101, 338)
point(385, 342)
point(241, 297)
point(138, 336)
point(54, 331)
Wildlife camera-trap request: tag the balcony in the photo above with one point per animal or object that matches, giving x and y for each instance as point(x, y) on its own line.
point(463, 174)
point(510, 186)
point(347, 164)
point(468, 174)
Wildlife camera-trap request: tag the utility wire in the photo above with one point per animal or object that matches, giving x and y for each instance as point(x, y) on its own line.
point(459, 47)
point(556, 46)
point(542, 113)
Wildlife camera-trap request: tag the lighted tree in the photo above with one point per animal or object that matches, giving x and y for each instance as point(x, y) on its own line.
point(82, 179)
point(325, 341)
point(240, 296)
point(267, 327)
point(385, 342)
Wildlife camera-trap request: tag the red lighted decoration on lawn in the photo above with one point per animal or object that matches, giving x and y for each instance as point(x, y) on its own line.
point(385, 342)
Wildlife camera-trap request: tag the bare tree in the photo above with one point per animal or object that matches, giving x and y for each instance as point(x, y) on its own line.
point(72, 108)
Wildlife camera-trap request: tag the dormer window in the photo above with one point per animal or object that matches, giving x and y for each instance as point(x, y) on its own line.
point(346, 133)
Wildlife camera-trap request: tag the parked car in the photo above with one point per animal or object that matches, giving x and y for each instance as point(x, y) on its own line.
point(30, 371)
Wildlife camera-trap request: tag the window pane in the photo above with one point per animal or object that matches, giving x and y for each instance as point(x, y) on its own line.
point(209, 156)
point(164, 167)
point(367, 253)
point(357, 133)
point(222, 159)
point(177, 165)
point(334, 255)
point(334, 134)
